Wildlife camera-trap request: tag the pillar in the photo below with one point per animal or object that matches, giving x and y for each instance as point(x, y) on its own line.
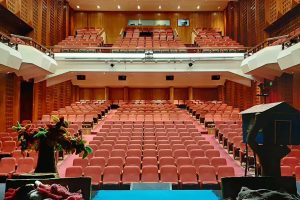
point(106, 93)
point(172, 94)
point(191, 95)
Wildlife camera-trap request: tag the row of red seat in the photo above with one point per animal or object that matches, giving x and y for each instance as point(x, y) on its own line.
point(186, 174)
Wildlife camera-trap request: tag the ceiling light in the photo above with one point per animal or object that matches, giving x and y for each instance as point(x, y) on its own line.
point(77, 7)
point(159, 7)
point(98, 7)
point(178, 7)
point(219, 7)
point(119, 7)
point(198, 7)
point(138, 7)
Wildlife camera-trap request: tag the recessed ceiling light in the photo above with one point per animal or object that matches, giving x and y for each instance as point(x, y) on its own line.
point(198, 7)
point(159, 7)
point(77, 7)
point(138, 7)
point(178, 7)
point(119, 7)
point(98, 7)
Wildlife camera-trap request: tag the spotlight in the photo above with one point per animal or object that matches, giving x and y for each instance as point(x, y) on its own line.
point(190, 64)
point(112, 64)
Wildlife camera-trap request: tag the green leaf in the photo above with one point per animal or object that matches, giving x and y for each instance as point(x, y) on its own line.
point(88, 149)
point(85, 154)
point(41, 134)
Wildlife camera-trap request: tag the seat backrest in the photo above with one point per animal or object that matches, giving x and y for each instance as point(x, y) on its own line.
point(131, 174)
point(133, 161)
point(150, 174)
point(187, 173)
point(286, 171)
point(225, 171)
point(210, 153)
point(94, 172)
point(115, 161)
point(25, 165)
point(8, 164)
point(81, 162)
point(98, 161)
point(207, 173)
point(74, 171)
point(112, 174)
point(199, 161)
point(168, 174)
point(218, 161)
point(149, 161)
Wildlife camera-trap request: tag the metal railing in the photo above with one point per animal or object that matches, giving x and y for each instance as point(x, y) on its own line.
point(31, 42)
point(291, 41)
point(5, 39)
point(81, 49)
point(265, 43)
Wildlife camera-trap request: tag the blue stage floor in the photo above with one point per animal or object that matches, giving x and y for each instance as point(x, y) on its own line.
point(155, 195)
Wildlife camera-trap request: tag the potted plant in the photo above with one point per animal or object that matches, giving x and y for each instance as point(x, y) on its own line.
point(45, 140)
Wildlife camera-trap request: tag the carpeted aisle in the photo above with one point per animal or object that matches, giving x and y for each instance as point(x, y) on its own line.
point(156, 195)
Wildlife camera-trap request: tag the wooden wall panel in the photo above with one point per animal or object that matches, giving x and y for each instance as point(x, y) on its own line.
point(47, 17)
point(282, 89)
point(116, 93)
point(39, 100)
point(238, 95)
point(296, 90)
point(148, 93)
point(9, 100)
point(255, 16)
point(59, 96)
point(92, 93)
point(120, 19)
point(181, 94)
point(205, 94)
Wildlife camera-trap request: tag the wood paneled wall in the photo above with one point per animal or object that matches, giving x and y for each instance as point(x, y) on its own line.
point(282, 89)
point(47, 99)
point(92, 93)
point(113, 22)
point(9, 100)
point(239, 96)
point(47, 17)
point(148, 93)
point(116, 94)
point(296, 90)
point(205, 94)
point(181, 94)
point(246, 20)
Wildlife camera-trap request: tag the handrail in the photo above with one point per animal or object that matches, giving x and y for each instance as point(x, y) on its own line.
point(195, 31)
point(59, 49)
point(121, 32)
point(4, 38)
point(31, 42)
point(292, 40)
point(263, 44)
point(175, 31)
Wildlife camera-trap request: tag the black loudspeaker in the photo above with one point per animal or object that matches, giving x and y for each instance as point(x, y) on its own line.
point(215, 77)
point(170, 78)
point(122, 78)
point(80, 77)
point(231, 186)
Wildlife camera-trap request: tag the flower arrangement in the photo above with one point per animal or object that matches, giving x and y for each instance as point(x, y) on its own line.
point(47, 139)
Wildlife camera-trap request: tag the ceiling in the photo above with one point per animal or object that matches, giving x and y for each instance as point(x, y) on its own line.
point(149, 5)
point(151, 80)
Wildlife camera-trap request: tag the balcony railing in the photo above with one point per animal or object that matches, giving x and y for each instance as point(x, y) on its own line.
point(81, 49)
point(5, 39)
point(17, 39)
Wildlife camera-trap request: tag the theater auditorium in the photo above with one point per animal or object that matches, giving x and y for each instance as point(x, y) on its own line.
point(149, 99)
